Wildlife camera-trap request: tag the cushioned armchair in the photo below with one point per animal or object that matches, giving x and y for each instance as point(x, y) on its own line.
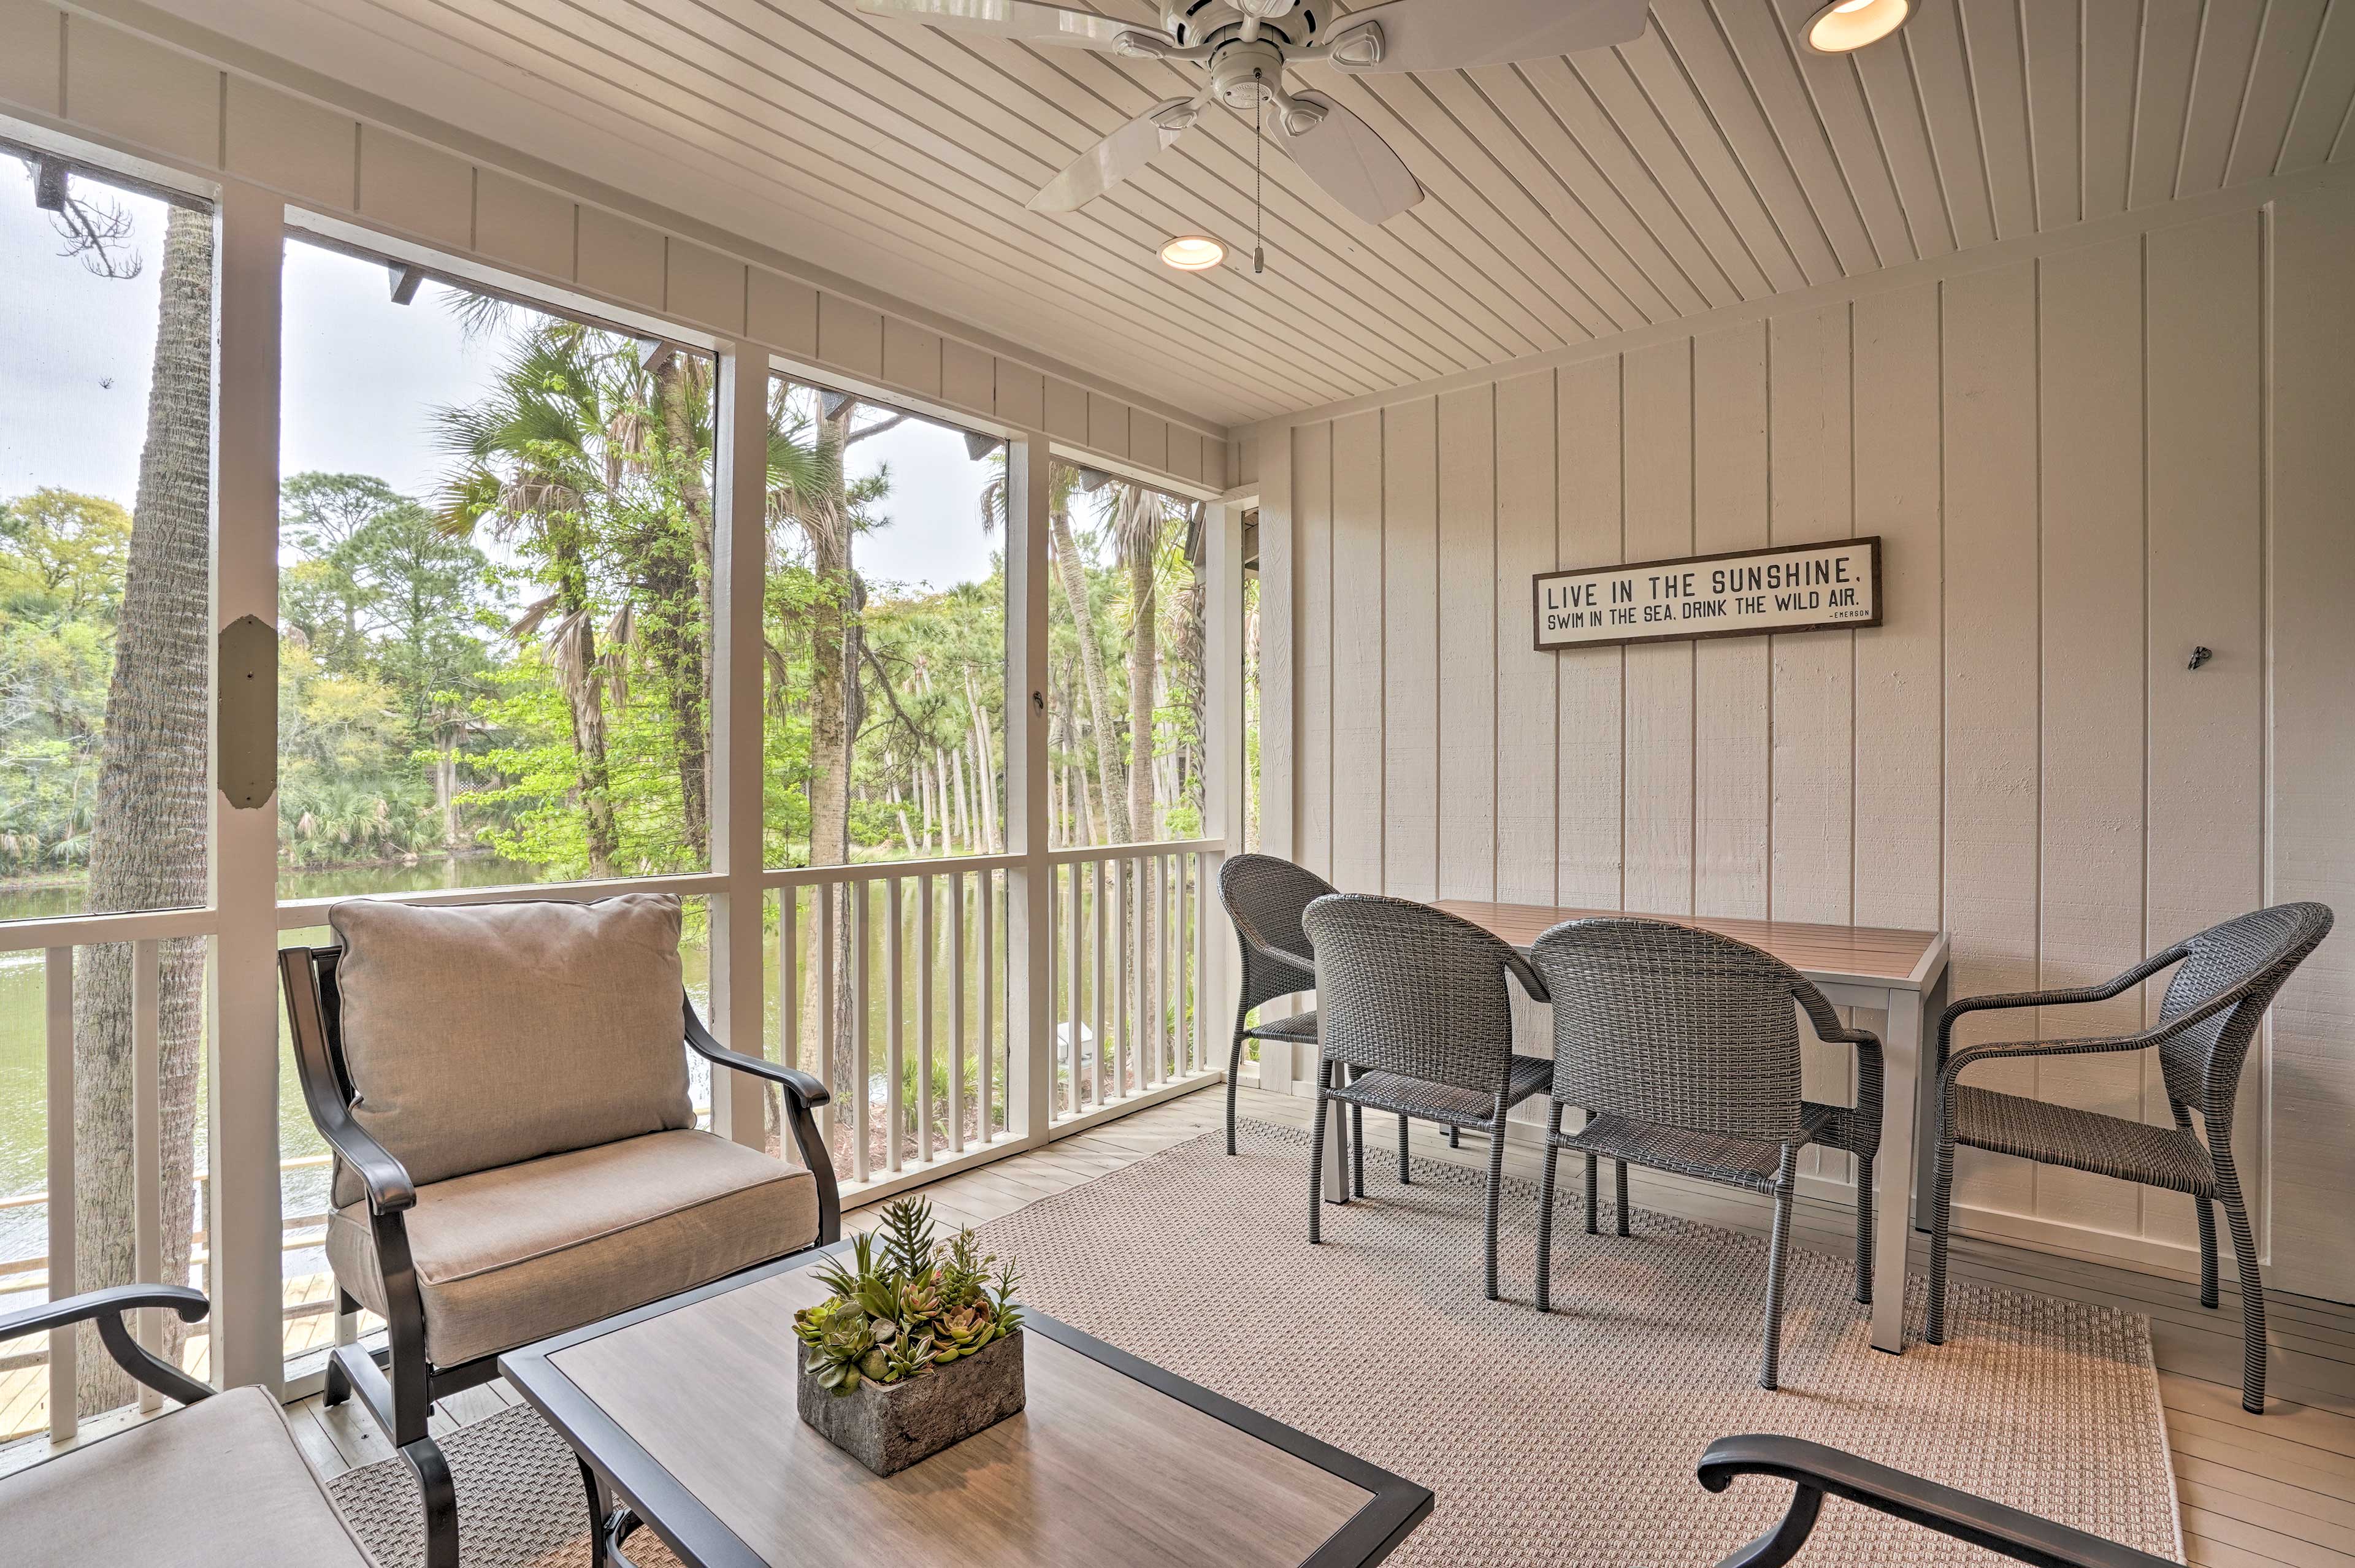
point(505, 1089)
point(217, 1485)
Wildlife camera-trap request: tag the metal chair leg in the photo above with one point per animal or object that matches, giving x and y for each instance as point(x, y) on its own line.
point(1356, 1151)
point(2253, 1288)
point(1942, 1215)
point(1777, 1248)
point(2207, 1252)
point(1863, 1231)
point(1317, 1163)
point(439, 1499)
point(1496, 1188)
point(339, 1381)
point(1235, 1069)
point(1545, 1215)
point(1620, 1167)
point(1592, 1175)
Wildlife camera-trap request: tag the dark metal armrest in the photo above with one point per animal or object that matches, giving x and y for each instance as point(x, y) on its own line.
point(2067, 997)
point(802, 1094)
point(1815, 1469)
point(800, 1085)
point(390, 1189)
point(106, 1309)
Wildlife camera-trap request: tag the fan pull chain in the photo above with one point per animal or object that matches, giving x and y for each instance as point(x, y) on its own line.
point(1259, 134)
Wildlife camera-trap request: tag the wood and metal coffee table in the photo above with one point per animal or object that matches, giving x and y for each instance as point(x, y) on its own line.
point(684, 1411)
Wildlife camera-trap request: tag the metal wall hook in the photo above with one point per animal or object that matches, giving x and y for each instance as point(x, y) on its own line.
point(2201, 656)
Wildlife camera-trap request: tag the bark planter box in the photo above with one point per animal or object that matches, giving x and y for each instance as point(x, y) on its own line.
point(889, 1426)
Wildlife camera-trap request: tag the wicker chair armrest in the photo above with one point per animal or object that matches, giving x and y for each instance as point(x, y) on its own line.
point(2143, 1040)
point(1815, 1469)
point(1825, 1021)
point(106, 1309)
point(798, 1085)
point(1526, 973)
point(2066, 996)
point(2000, 1050)
point(1305, 967)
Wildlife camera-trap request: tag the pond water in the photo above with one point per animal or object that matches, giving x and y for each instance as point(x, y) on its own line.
point(24, 1073)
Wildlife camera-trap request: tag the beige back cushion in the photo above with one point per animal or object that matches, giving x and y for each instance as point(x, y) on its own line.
point(483, 1034)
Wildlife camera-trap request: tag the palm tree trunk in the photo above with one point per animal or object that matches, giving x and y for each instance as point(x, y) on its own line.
point(1143, 660)
point(1075, 594)
point(681, 626)
point(148, 835)
point(830, 738)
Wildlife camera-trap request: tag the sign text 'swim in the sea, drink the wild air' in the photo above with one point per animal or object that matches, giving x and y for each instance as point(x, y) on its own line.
point(1794, 588)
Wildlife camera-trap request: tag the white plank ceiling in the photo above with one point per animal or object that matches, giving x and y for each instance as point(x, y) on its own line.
point(1709, 162)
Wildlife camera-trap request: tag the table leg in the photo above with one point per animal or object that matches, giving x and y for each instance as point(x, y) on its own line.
point(1900, 1057)
point(1926, 1118)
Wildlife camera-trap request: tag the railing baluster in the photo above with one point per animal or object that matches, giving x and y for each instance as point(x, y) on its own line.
point(1054, 935)
point(1201, 959)
point(894, 1056)
point(147, 1140)
point(956, 1011)
point(988, 994)
point(1078, 969)
point(924, 961)
point(1156, 934)
point(862, 1094)
point(822, 912)
point(789, 1001)
point(64, 1411)
point(1120, 1046)
point(1096, 982)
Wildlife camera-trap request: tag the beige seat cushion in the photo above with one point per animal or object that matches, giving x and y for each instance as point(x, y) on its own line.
point(218, 1485)
point(486, 1034)
point(510, 1256)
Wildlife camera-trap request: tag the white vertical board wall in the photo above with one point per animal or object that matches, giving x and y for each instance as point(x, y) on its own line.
point(2083, 460)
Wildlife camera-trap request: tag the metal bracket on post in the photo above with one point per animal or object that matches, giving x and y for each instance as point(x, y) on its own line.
point(245, 716)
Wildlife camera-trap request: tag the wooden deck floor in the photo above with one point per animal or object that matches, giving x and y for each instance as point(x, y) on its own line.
point(2255, 1490)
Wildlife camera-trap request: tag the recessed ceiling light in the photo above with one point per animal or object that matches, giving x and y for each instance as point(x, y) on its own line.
point(1193, 253)
point(1846, 25)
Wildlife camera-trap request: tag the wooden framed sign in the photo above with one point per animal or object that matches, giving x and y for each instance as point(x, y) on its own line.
point(1791, 588)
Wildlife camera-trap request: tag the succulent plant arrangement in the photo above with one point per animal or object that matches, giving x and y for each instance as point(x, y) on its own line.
point(906, 1306)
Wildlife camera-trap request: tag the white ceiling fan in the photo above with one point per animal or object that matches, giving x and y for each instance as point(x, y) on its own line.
point(1245, 47)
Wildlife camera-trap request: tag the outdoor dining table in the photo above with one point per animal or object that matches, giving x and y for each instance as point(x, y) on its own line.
point(1901, 974)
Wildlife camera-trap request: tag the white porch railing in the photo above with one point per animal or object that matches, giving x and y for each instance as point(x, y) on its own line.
point(1130, 962)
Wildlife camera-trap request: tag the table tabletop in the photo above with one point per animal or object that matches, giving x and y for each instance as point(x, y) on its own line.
point(687, 1408)
point(1871, 955)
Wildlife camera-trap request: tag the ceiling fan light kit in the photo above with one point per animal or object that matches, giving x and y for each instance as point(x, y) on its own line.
point(1247, 47)
point(1846, 26)
point(1193, 253)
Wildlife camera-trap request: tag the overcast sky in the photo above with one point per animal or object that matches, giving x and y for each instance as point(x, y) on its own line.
point(360, 380)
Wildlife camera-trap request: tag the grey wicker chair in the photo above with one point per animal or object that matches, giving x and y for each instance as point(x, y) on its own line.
point(1266, 898)
point(1415, 1007)
point(2229, 976)
point(1682, 1048)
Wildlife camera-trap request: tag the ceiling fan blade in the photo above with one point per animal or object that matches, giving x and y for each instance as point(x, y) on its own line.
point(1355, 166)
point(1444, 35)
point(1023, 19)
point(1116, 157)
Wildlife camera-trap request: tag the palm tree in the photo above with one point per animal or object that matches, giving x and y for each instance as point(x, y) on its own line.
point(1071, 571)
point(528, 463)
point(149, 829)
point(1133, 515)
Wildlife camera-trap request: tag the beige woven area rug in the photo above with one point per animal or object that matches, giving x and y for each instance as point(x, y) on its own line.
point(1567, 1438)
